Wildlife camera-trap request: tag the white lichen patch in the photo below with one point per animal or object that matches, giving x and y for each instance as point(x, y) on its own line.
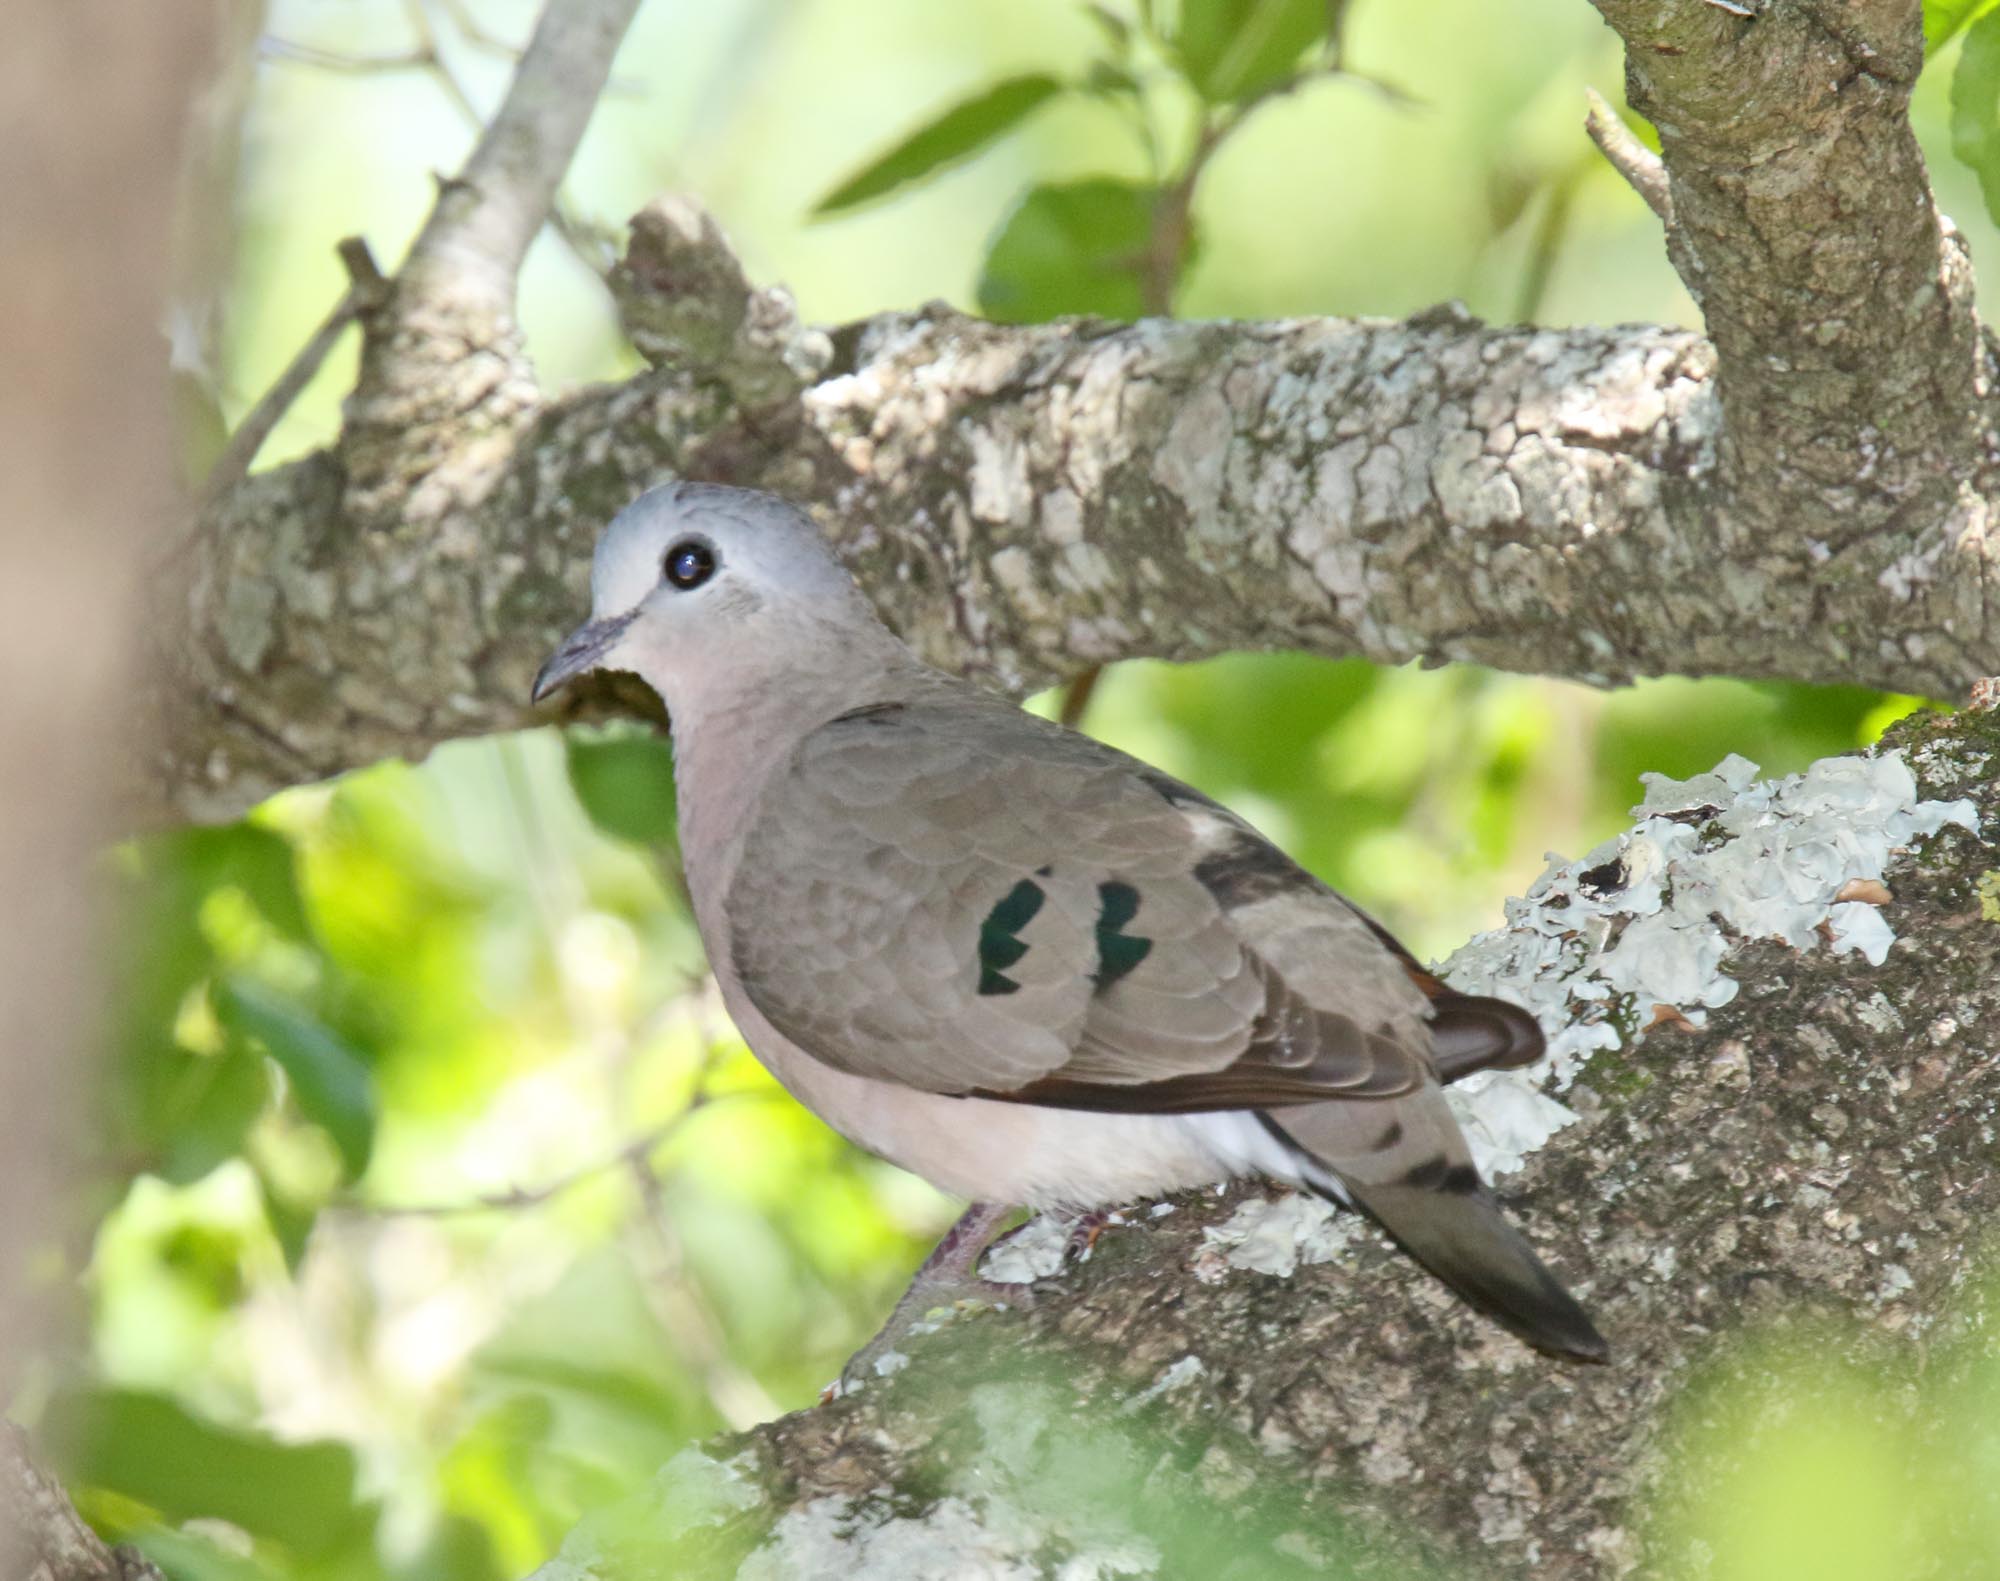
point(1177, 1375)
point(695, 1489)
point(1034, 1251)
point(691, 1491)
point(864, 1541)
point(1639, 929)
point(1274, 1236)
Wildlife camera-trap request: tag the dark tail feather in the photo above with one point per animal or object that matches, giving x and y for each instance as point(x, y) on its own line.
point(1460, 1234)
point(1470, 1033)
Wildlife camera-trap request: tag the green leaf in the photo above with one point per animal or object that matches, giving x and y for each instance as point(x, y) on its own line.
point(200, 1109)
point(1073, 248)
point(186, 1557)
point(1975, 107)
point(1944, 19)
point(1231, 50)
point(1108, 79)
point(258, 861)
point(291, 1221)
point(1117, 31)
point(329, 1080)
point(625, 783)
point(150, 1449)
point(957, 134)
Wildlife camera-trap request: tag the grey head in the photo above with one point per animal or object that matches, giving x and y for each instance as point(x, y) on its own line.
point(695, 587)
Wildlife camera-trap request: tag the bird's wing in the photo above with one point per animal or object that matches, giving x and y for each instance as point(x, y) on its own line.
point(961, 897)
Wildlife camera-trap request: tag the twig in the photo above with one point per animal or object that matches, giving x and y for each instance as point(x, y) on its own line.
point(433, 53)
point(366, 290)
point(474, 31)
point(481, 227)
point(480, 36)
point(1632, 159)
point(677, 1299)
point(319, 59)
point(1076, 697)
point(635, 1152)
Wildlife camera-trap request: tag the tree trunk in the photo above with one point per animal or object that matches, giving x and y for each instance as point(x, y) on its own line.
point(94, 96)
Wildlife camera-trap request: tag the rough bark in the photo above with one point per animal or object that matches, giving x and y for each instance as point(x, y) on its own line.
point(47, 1539)
point(1804, 493)
point(1818, 1158)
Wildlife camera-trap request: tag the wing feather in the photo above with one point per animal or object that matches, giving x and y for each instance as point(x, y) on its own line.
point(964, 898)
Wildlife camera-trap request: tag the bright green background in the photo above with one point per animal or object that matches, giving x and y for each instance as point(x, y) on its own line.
point(424, 988)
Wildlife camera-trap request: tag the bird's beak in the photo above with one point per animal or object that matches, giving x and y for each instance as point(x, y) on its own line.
point(580, 652)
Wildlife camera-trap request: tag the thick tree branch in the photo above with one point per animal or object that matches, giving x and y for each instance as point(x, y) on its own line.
point(1852, 368)
point(1804, 495)
point(479, 232)
point(93, 106)
point(1027, 502)
point(1817, 1158)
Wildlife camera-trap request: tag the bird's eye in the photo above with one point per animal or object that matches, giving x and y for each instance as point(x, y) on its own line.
point(689, 564)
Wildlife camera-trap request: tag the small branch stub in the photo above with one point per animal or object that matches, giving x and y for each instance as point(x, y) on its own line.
point(1632, 159)
point(685, 303)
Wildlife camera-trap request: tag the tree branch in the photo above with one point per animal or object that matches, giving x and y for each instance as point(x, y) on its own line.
point(42, 1538)
point(1632, 159)
point(98, 98)
point(365, 291)
point(1852, 374)
point(1538, 500)
point(479, 230)
point(444, 385)
point(1805, 495)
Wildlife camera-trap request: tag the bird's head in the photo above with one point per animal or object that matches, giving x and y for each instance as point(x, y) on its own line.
point(694, 579)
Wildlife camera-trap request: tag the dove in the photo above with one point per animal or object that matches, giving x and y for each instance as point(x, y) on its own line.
point(1013, 960)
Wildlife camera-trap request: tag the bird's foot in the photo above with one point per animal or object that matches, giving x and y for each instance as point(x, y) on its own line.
point(1084, 1233)
point(928, 1305)
point(948, 1281)
point(1020, 1265)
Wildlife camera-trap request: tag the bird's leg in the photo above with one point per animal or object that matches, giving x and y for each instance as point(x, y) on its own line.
point(1083, 1234)
point(949, 1275)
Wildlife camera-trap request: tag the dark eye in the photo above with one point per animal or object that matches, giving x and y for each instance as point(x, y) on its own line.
point(689, 564)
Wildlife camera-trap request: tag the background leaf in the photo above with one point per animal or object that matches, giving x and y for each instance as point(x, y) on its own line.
point(1943, 20)
point(153, 1451)
point(329, 1080)
point(1073, 248)
point(1232, 49)
point(625, 782)
point(958, 133)
point(1975, 107)
point(202, 1108)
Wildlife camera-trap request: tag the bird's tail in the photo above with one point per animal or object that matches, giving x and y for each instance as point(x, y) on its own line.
point(1437, 1209)
point(1464, 1238)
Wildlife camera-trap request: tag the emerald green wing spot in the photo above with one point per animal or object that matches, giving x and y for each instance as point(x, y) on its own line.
point(1118, 952)
point(1000, 945)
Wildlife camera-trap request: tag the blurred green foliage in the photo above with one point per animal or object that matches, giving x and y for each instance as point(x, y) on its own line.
point(439, 1203)
point(1823, 1453)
